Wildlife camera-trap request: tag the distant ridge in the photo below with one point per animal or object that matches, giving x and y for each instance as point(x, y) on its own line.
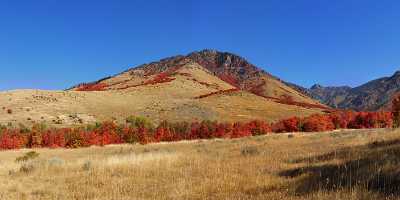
point(374, 95)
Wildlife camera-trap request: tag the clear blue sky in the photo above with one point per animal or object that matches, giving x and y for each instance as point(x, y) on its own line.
point(54, 44)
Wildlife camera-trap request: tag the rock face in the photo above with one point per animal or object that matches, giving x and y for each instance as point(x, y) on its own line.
point(372, 96)
point(332, 96)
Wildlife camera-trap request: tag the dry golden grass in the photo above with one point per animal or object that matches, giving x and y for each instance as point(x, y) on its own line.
point(334, 165)
point(172, 101)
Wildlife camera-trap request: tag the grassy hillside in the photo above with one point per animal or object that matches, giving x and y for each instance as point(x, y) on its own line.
point(175, 100)
point(360, 164)
point(206, 85)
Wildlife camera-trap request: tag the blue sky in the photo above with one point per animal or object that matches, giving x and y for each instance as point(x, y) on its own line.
point(54, 44)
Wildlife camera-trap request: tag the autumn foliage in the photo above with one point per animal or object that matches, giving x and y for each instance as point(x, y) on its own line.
point(162, 77)
point(141, 130)
point(396, 110)
point(92, 87)
point(217, 93)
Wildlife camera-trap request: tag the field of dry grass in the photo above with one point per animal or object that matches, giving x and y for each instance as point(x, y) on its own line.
point(360, 164)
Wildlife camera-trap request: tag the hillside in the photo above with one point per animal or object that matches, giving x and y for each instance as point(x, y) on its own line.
point(221, 71)
point(205, 85)
point(374, 95)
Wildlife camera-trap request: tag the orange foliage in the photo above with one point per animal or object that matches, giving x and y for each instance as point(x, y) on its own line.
point(110, 133)
point(217, 92)
point(91, 87)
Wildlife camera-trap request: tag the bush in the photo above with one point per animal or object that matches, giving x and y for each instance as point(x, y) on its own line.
point(27, 156)
point(396, 110)
point(139, 122)
point(317, 123)
point(249, 151)
point(141, 130)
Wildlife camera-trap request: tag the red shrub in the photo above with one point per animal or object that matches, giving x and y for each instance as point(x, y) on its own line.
point(371, 120)
point(12, 140)
point(139, 131)
point(130, 135)
point(163, 134)
point(317, 123)
point(287, 125)
point(240, 130)
point(385, 120)
point(342, 119)
point(258, 127)
point(92, 87)
point(75, 139)
point(217, 92)
point(144, 136)
point(162, 77)
point(54, 138)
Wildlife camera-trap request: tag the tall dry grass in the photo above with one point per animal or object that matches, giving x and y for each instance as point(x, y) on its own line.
point(336, 165)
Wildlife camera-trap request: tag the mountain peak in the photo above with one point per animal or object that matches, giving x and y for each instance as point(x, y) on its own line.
point(396, 74)
point(316, 86)
point(212, 51)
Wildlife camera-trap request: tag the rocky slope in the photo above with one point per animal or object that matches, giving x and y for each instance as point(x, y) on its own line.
point(374, 95)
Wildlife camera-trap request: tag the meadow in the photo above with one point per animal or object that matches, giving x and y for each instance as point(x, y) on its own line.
point(341, 164)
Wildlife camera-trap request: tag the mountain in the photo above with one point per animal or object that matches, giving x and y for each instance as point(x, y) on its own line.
point(203, 85)
point(372, 96)
point(233, 70)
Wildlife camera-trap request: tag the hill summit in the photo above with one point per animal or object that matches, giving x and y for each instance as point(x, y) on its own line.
point(235, 72)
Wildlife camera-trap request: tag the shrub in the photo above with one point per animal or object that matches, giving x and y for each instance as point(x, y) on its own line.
point(12, 139)
point(162, 77)
point(317, 123)
point(217, 92)
point(27, 156)
point(139, 122)
point(27, 168)
point(75, 139)
point(92, 87)
point(396, 110)
point(288, 125)
point(54, 138)
point(141, 130)
point(258, 127)
point(249, 151)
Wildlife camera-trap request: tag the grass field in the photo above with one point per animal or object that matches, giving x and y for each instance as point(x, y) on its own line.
point(362, 164)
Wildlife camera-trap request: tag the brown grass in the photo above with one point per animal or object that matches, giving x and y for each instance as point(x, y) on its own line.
point(334, 165)
point(173, 101)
